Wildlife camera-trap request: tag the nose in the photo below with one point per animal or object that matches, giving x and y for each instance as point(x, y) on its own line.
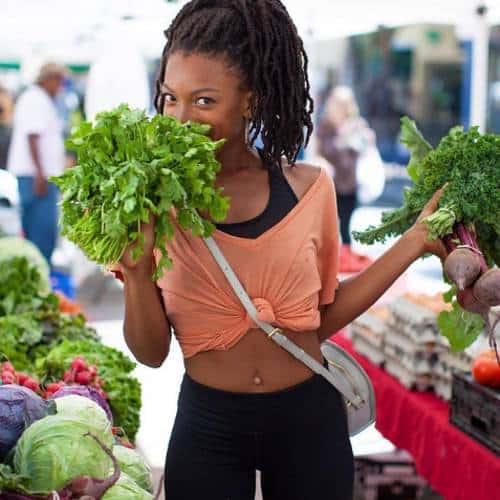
point(182, 113)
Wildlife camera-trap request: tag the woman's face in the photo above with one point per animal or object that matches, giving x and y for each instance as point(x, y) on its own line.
point(205, 89)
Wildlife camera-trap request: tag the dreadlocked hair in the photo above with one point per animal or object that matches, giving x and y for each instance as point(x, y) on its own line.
point(258, 38)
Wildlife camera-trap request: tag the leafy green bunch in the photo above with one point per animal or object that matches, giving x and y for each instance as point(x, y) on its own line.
point(20, 284)
point(469, 164)
point(131, 166)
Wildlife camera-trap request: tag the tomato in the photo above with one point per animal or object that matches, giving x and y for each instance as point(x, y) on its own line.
point(486, 369)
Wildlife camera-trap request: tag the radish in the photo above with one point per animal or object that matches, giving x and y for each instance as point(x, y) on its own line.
point(462, 266)
point(8, 367)
point(79, 364)
point(8, 377)
point(84, 377)
point(32, 384)
point(487, 288)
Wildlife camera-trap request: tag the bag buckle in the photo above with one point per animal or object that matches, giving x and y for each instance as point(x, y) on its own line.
point(349, 378)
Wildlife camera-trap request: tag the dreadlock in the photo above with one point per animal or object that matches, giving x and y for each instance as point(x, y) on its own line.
point(258, 38)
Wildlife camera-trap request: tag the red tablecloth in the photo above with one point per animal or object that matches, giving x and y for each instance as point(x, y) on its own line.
point(455, 465)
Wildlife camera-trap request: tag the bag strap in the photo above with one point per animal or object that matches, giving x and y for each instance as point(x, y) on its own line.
point(339, 382)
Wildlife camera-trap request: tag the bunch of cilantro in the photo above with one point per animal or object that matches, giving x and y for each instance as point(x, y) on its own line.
point(468, 163)
point(131, 166)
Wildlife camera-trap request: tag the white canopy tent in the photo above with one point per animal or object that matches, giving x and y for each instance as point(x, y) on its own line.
point(74, 31)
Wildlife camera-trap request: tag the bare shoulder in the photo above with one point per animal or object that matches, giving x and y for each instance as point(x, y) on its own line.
point(301, 177)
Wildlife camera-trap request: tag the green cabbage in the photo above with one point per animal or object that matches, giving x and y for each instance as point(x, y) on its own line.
point(87, 411)
point(133, 464)
point(126, 489)
point(56, 449)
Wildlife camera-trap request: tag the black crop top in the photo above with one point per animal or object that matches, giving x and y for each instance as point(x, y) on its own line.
point(281, 200)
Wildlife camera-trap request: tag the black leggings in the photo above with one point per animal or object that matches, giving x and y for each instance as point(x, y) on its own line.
point(296, 437)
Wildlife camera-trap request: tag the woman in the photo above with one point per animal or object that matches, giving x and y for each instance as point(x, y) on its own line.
point(342, 136)
point(245, 403)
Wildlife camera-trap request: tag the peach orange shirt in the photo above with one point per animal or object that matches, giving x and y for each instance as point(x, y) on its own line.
point(288, 272)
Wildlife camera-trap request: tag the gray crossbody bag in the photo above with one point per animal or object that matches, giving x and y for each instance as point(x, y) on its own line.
point(343, 372)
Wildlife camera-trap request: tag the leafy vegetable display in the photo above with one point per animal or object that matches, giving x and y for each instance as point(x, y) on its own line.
point(30, 319)
point(12, 246)
point(131, 166)
point(467, 163)
point(20, 284)
point(123, 391)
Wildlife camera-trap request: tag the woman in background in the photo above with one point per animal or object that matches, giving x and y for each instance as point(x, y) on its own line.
point(342, 137)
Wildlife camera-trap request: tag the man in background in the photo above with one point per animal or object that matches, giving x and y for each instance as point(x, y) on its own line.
point(6, 105)
point(37, 152)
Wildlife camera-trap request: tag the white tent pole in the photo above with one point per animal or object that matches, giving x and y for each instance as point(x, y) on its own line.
point(480, 44)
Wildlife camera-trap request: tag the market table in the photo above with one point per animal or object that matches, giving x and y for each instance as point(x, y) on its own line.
point(455, 465)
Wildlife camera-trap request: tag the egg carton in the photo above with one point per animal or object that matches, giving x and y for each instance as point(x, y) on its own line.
point(413, 314)
point(367, 349)
point(450, 362)
point(365, 332)
point(410, 379)
point(416, 364)
point(404, 343)
point(428, 337)
point(442, 387)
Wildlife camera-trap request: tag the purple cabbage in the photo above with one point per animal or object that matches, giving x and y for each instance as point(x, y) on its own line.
point(87, 392)
point(19, 408)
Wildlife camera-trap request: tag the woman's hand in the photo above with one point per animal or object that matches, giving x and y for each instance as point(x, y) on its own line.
point(145, 262)
point(419, 232)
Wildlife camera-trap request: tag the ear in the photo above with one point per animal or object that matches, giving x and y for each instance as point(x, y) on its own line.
point(247, 105)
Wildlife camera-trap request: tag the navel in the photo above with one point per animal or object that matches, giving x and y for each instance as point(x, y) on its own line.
point(257, 380)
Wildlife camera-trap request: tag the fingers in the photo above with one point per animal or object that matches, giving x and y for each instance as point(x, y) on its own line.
point(432, 204)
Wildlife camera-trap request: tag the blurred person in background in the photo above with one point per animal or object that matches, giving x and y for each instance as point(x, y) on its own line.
point(6, 106)
point(37, 152)
point(342, 137)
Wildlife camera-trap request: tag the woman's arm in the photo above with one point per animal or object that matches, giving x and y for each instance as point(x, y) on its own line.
point(146, 326)
point(355, 295)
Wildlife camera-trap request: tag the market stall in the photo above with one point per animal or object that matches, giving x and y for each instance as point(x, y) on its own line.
point(457, 466)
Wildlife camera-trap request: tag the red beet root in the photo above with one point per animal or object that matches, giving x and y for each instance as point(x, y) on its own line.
point(462, 266)
point(487, 288)
point(468, 302)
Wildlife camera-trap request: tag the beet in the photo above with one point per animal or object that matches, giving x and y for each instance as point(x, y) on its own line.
point(468, 302)
point(462, 266)
point(487, 288)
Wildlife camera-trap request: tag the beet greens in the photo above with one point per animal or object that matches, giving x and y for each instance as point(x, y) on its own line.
point(467, 220)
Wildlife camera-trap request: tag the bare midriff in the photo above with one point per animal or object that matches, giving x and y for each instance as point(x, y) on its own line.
point(255, 364)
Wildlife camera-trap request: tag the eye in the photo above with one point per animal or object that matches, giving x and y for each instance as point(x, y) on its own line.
point(205, 101)
point(168, 98)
